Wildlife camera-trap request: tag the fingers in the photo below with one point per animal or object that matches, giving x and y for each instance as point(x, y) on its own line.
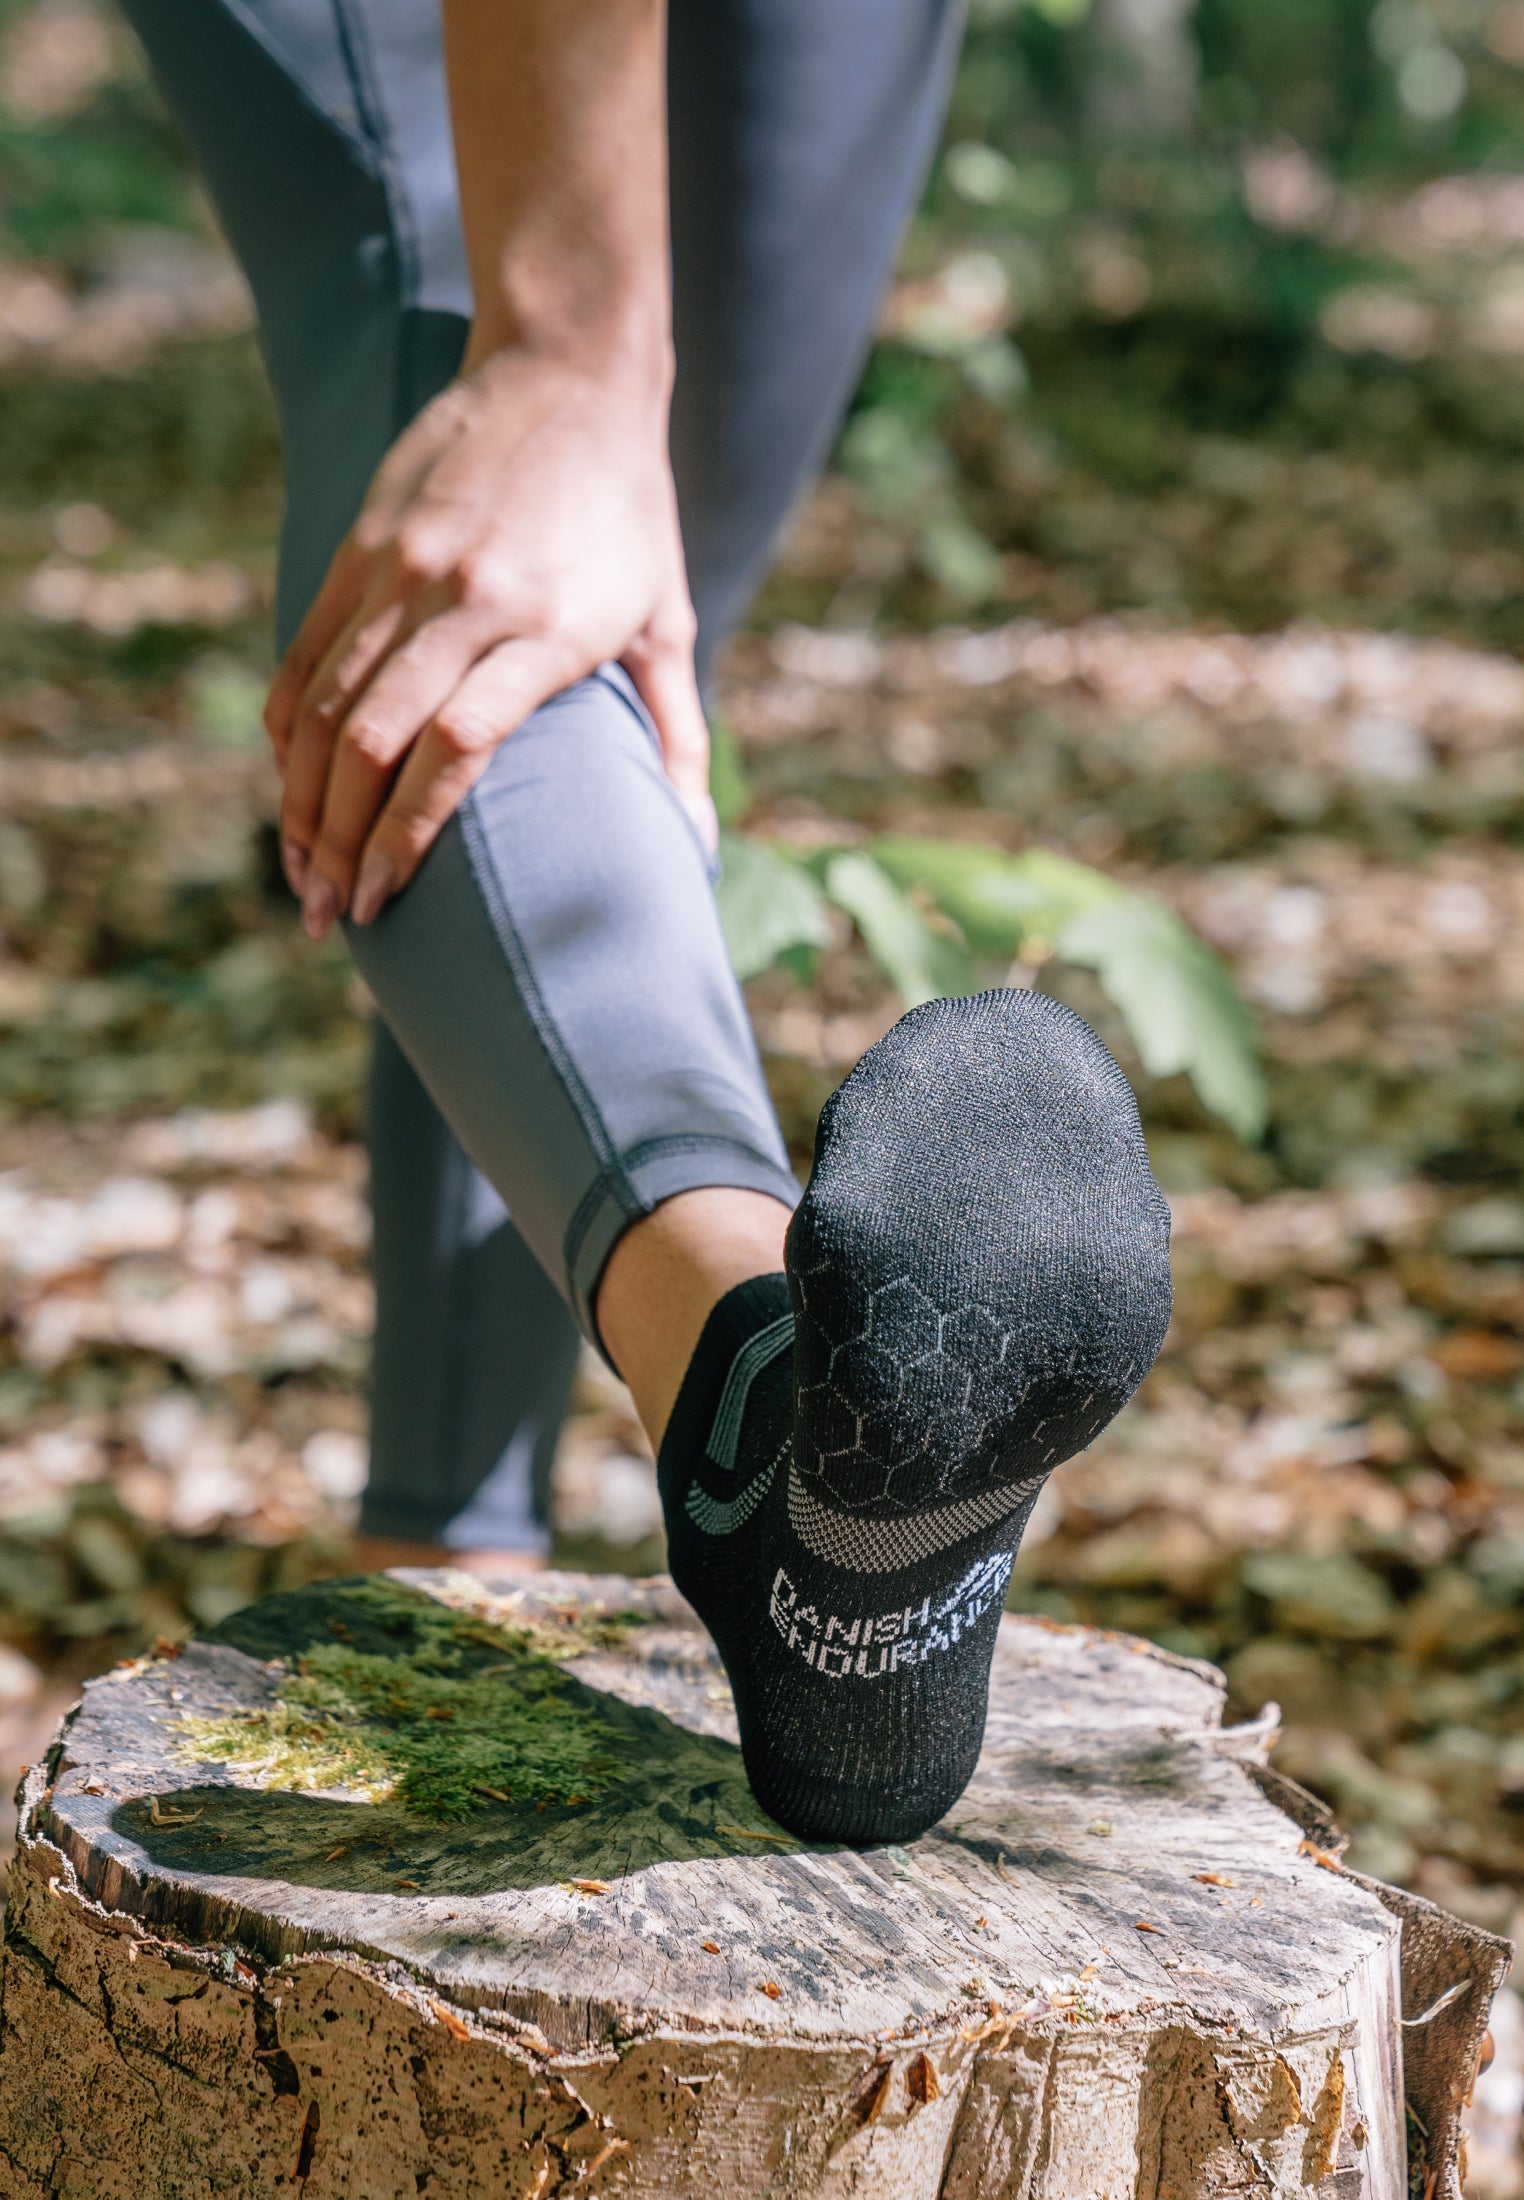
point(487, 706)
point(328, 709)
point(491, 702)
point(332, 608)
point(663, 673)
point(353, 767)
point(337, 648)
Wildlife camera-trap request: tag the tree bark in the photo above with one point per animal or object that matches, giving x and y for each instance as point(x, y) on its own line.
point(1120, 1968)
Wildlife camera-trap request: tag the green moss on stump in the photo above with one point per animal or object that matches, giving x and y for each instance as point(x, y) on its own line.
point(395, 1697)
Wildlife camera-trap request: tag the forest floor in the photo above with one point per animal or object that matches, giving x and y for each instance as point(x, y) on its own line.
point(1264, 670)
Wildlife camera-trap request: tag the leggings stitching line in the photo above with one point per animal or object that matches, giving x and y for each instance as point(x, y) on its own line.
point(365, 83)
point(581, 1222)
point(653, 1149)
point(271, 51)
point(460, 1291)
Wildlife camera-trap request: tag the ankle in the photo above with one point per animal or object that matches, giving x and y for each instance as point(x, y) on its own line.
point(667, 1274)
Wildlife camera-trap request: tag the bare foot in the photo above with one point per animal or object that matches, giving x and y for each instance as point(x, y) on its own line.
point(373, 1554)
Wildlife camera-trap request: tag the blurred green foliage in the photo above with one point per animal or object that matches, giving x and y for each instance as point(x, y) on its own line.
point(1085, 294)
point(942, 917)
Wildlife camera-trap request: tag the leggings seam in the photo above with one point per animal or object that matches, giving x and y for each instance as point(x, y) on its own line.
point(611, 1176)
point(459, 1287)
point(652, 1149)
point(583, 1216)
point(356, 141)
point(371, 107)
point(636, 1157)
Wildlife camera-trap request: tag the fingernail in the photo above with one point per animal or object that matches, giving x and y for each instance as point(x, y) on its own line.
point(320, 905)
point(293, 858)
point(378, 875)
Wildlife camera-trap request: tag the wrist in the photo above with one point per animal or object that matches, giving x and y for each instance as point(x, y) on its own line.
point(624, 346)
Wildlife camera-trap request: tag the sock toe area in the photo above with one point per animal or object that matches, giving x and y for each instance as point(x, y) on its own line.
point(980, 1266)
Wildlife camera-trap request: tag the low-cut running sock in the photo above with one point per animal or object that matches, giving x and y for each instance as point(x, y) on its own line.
point(977, 1280)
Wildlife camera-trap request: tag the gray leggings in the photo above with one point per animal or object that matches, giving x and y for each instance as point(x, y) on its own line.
point(562, 1038)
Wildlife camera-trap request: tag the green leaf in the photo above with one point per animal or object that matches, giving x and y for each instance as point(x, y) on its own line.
point(228, 702)
point(1175, 995)
point(1177, 1000)
point(729, 787)
point(898, 464)
point(958, 558)
point(996, 900)
point(768, 904)
point(919, 961)
point(997, 370)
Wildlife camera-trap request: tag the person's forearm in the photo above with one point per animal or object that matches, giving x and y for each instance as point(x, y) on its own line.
point(559, 112)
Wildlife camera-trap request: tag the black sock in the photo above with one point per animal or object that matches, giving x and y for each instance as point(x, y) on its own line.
point(978, 1278)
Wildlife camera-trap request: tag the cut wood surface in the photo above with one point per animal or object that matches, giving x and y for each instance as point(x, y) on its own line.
point(290, 1915)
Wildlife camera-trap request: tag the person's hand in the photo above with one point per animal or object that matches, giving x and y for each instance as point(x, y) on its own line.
point(520, 533)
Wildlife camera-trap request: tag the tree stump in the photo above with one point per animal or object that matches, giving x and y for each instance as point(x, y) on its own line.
point(411, 1887)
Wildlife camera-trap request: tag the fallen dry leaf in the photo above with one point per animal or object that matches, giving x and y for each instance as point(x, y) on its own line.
point(710, 1947)
point(750, 1833)
point(921, 2080)
point(1143, 1926)
point(872, 2104)
point(1004, 2026)
point(609, 2147)
point(1476, 1355)
point(450, 2020)
point(1213, 1879)
point(772, 1989)
point(334, 1854)
point(406, 1883)
point(591, 1886)
point(1485, 2056)
point(1319, 1856)
point(170, 1817)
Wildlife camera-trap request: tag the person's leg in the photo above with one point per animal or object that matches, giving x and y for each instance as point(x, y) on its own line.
point(331, 170)
point(558, 974)
point(793, 165)
point(976, 1280)
point(472, 1340)
point(800, 134)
